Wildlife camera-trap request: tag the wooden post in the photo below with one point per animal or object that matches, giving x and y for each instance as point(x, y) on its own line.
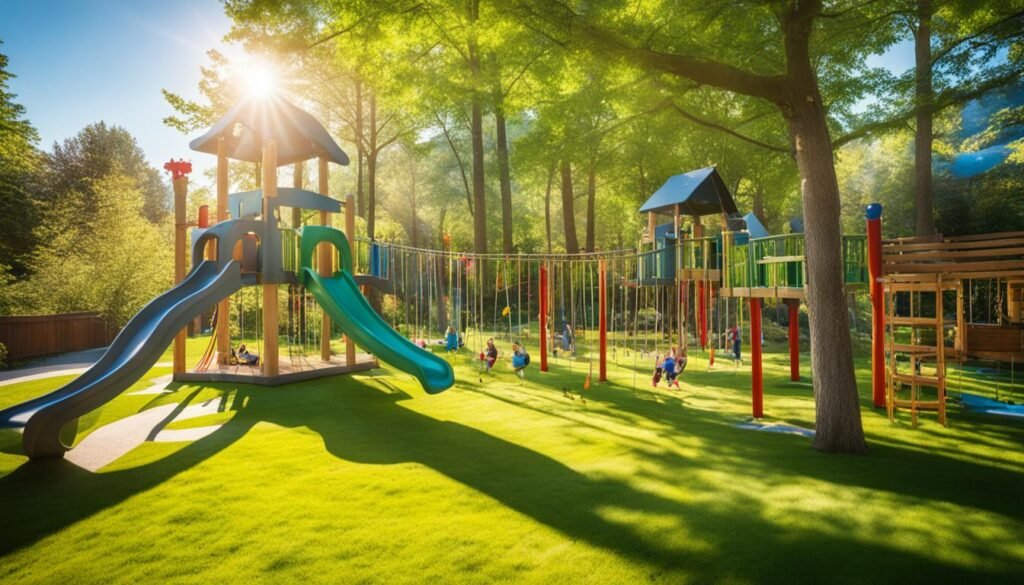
point(602, 322)
point(180, 250)
point(650, 226)
point(756, 379)
point(543, 317)
point(794, 340)
point(325, 263)
point(270, 309)
point(223, 329)
point(874, 243)
point(350, 232)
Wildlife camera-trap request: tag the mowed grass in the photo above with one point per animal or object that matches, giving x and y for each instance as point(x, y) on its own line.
point(366, 479)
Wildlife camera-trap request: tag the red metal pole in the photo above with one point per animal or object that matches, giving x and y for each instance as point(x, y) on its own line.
point(874, 219)
point(602, 322)
point(543, 317)
point(794, 340)
point(756, 382)
point(702, 321)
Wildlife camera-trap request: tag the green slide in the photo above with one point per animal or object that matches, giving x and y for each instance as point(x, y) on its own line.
point(340, 297)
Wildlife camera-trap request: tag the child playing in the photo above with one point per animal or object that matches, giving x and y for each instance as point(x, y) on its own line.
point(451, 340)
point(669, 365)
point(658, 369)
point(490, 354)
point(733, 338)
point(520, 359)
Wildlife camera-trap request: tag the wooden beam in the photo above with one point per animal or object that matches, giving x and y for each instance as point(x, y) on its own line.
point(350, 232)
point(223, 307)
point(270, 310)
point(325, 260)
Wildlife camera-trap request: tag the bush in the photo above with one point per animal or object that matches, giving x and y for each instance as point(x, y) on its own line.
point(3, 357)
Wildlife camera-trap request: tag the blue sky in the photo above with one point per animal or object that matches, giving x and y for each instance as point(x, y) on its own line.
point(79, 62)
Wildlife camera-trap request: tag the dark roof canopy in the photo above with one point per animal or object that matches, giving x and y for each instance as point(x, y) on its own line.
point(700, 192)
point(299, 135)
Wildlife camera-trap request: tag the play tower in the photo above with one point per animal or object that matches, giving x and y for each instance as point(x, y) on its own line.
point(259, 240)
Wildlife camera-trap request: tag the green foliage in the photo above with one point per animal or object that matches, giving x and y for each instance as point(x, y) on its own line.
point(3, 356)
point(114, 264)
point(19, 164)
point(96, 151)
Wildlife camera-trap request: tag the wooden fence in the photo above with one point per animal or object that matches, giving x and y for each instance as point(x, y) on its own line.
point(39, 335)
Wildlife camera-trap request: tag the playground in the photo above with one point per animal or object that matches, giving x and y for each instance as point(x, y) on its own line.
point(710, 389)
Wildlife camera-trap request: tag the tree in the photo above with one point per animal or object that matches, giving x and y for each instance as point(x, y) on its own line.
point(19, 167)
point(113, 264)
point(784, 74)
point(95, 152)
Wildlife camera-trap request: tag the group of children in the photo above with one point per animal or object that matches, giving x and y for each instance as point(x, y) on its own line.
point(520, 358)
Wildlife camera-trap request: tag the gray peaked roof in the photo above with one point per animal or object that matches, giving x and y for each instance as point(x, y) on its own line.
point(700, 192)
point(299, 135)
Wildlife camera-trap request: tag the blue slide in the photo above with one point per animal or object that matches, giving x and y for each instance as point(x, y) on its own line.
point(340, 298)
point(134, 351)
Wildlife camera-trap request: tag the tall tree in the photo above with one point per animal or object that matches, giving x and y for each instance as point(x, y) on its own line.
point(686, 46)
point(19, 166)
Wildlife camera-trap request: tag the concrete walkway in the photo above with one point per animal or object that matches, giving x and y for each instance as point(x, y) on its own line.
point(66, 364)
point(108, 443)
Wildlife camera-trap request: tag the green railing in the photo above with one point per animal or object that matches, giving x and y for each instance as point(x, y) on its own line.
point(780, 261)
point(289, 250)
point(700, 253)
point(855, 259)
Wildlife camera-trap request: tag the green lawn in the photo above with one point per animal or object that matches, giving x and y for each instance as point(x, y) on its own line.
point(366, 479)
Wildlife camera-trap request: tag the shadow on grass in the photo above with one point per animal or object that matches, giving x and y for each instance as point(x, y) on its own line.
point(729, 539)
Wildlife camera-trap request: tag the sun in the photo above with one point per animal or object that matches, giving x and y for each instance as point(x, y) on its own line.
point(261, 78)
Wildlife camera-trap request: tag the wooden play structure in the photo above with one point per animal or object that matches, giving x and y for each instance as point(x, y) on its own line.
point(293, 139)
point(947, 299)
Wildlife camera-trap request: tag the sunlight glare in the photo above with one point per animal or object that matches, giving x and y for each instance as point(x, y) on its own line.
point(261, 79)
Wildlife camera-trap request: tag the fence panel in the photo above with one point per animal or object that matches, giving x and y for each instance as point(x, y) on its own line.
point(40, 335)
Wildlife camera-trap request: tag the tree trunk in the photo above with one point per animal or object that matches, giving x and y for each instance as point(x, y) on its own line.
point(371, 172)
point(837, 407)
point(759, 203)
point(414, 228)
point(547, 208)
point(477, 135)
point(505, 181)
point(360, 151)
point(923, 196)
point(591, 200)
point(572, 245)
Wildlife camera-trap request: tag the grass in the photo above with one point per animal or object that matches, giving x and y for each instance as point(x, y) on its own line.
point(366, 479)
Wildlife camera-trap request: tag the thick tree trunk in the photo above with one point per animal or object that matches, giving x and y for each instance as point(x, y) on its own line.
point(838, 427)
point(923, 196)
point(572, 245)
point(505, 180)
point(591, 202)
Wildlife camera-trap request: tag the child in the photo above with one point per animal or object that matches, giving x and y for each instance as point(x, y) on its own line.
point(451, 340)
point(658, 369)
point(520, 359)
point(733, 337)
point(680, 366)
point(669, 365)
point(490, 354)
point(246, 358)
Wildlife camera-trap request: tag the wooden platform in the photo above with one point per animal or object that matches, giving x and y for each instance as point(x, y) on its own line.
point(288, 371)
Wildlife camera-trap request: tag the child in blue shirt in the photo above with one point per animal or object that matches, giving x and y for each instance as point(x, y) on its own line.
point(520, 360)
point(451, 340)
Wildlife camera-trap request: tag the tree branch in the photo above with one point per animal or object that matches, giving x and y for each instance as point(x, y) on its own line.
point(945, 51)
point(729, 131)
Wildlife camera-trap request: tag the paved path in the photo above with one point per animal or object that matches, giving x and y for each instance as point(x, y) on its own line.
point(67, 364)
point(108, 443)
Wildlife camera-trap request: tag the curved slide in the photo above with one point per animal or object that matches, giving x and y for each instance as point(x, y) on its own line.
point(134, 351)
point(340, 297)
